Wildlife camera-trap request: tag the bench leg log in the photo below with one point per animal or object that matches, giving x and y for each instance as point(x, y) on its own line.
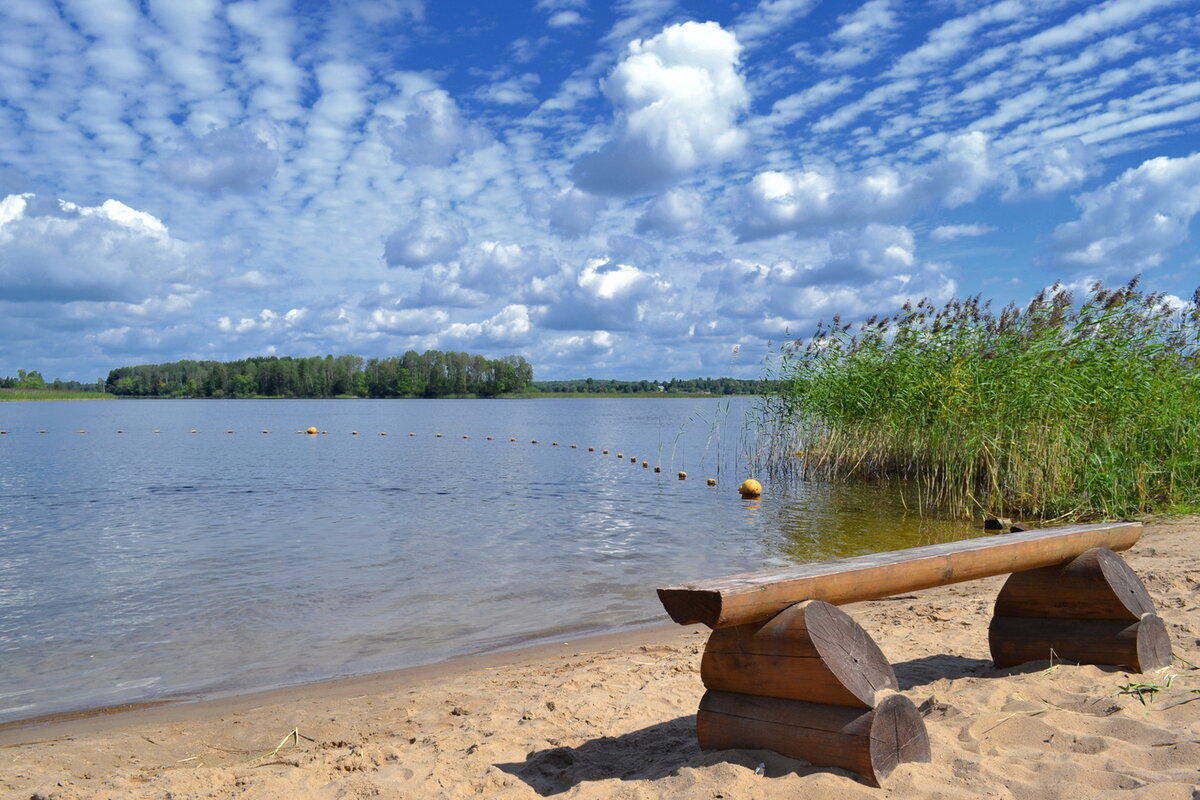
point(870, 742)
point(1093, 610)
point(808, 683)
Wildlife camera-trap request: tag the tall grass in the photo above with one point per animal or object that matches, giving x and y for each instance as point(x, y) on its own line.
point(1059, 410)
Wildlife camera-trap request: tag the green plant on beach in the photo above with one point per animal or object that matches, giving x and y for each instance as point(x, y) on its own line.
point(1054, 411)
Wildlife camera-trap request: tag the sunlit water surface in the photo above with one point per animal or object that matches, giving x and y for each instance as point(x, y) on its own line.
point(140, 566)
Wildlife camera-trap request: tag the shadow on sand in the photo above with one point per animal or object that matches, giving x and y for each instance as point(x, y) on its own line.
point(662, 750)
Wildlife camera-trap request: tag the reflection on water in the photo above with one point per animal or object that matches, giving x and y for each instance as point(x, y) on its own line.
point(147, 565)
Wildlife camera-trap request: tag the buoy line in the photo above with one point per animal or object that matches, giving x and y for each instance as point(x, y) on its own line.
point(749, 489)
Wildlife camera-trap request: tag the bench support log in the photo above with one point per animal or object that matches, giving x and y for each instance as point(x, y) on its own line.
point(1093, 610)
point(809, 683)
point(870, 742)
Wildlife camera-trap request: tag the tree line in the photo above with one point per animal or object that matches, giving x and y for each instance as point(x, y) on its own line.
point(430, 374)
point(34, 380)
point(711, 386)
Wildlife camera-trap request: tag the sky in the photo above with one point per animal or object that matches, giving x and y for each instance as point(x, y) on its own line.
point(636, 189)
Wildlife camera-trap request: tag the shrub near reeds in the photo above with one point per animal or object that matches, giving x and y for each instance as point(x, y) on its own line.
point(1055, 411)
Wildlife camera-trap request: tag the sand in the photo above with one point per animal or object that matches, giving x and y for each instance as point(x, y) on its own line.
point(614, 718)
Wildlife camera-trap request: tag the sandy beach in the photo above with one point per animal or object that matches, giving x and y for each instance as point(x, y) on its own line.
point(613, 717)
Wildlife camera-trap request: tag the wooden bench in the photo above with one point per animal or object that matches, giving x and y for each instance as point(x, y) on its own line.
point(786, 670)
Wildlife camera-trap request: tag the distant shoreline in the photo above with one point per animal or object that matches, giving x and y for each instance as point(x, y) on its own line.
point(59, 396)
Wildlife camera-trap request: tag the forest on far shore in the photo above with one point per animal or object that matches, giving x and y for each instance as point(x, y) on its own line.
point(433, 373)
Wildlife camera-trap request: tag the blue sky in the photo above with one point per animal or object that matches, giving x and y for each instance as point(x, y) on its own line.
point(644, 188)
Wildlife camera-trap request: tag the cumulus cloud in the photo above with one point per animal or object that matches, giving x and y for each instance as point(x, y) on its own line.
point(429, 238)
point(226, 160)
point(677, 97)
point(510, 91)
point(570, 212)
point(109, 252)
point(1133, 222)
point(434, 132)
point(672, 213)
point(602, 295)
point(813, 199)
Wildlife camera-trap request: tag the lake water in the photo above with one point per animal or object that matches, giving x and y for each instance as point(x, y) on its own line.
point(142, 566)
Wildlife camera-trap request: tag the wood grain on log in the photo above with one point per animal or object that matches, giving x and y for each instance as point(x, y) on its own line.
point(810, 651)
point(1142, 646)
point(756, 596)
point(1096, 585)
point(871, 742)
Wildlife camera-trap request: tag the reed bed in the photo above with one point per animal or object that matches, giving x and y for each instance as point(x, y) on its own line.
point(1059, 410)
point(51, 394)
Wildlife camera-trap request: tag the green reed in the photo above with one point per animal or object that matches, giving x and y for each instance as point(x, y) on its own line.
point(52, 394)
point(1059, 410)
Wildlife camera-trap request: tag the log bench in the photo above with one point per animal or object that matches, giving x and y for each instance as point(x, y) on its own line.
point(786, 670)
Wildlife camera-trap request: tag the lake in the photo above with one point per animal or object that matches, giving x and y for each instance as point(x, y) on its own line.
point(142, 566)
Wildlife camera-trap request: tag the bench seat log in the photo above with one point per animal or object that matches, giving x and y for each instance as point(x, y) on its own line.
point(811, 651)
point(757, 596)
point(870, 742)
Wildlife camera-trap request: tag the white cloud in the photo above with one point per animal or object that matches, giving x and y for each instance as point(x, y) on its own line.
point(678, 97)
point(947, 233)
point(863, 34)
point(109, 252)
point(434, 132)
point(565, 19)
point(820, 197)
point(673, 213)
point(1133, 222)
point(430, 237)
point(768, 17)
point(231, 159)
point(513, 91)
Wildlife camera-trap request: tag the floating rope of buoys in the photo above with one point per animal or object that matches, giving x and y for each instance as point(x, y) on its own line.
point(750, 488)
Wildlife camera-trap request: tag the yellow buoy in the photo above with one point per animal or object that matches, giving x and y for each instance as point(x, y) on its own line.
point(41, 431)
point(712, 481)
point(383, 434)
point(591, 449)
point(83, 431)
point(4, 432)
point(266, 431)
point(645, 465)
point(683, 476)
point(195, 431)
point(534, 441)
point(229, 431)
point(750, 488)
point(354, 433)
point(311, 431)
point(574, 446)
point(512, 440)
point(465, 436)
point(158, 431)
point(620, 455)
point(489, 438)
point(555, 444)
point(605, 452)
point(119, 431)
point(633, 459)
point(438, 435)
point(324, 431)
point(412, 434)
point(658, 469)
